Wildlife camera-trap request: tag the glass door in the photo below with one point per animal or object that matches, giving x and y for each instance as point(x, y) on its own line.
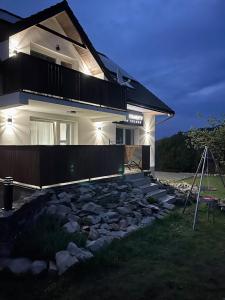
point(64, 134)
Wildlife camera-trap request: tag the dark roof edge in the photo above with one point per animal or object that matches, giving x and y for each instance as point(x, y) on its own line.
point(151, 107)
point(10, 13)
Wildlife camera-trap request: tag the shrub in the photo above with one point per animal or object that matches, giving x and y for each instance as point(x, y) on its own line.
point(151, 200)
point(45, 238)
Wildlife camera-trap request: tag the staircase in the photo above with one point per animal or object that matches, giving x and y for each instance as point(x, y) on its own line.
point(149, 188)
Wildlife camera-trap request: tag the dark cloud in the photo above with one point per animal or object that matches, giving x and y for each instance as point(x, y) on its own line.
point(175, 47)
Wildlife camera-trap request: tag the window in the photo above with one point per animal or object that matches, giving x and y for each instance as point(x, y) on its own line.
point(125, 136)
point(42, 133)
point(64, 134)
point(42, 56)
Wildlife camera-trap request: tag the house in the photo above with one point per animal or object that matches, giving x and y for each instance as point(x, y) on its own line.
point(57, 89)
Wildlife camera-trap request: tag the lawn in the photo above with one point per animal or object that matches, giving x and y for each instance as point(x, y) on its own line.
point(165, 261)
point(211, 181)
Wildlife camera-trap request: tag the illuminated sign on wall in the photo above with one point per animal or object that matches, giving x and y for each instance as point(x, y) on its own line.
point(135, 119)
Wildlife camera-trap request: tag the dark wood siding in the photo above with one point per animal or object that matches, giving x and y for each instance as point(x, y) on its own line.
point(48, 165)
point(25, 72)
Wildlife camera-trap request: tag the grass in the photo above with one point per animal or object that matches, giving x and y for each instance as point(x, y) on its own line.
point(45, 238)
point(165, 261)
point(211, 181)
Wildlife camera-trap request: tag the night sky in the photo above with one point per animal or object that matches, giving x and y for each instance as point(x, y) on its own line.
point(176, 48)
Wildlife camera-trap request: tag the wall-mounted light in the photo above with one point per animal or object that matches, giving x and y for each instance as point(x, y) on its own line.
point(57, 48)
point(9, 121)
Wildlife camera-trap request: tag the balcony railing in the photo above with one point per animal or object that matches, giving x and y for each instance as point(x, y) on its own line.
point(27, 73)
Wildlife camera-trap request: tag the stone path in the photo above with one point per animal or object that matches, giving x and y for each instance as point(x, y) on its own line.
point(172, 176)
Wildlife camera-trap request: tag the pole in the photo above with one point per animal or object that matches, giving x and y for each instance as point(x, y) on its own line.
point(199, 190)
point(193, 183)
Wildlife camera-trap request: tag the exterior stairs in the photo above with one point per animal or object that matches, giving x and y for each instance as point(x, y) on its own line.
point(149, 188)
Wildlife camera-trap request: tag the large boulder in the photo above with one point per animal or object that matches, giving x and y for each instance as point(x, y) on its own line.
point(72, 227)
point(19, 266)
point(85, 197)
point(38, 267)
point(95, 246)
point(147, 221)
point(91, 207)
point(79, 253)
point(64, 260)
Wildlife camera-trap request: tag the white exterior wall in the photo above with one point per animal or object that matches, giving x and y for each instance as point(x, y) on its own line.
point(147, 136)
point(19, 133)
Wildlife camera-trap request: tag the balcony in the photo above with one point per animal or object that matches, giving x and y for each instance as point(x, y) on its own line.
point(27, 73)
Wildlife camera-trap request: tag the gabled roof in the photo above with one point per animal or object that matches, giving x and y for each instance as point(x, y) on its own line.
point(49, 12)
point(137, 95)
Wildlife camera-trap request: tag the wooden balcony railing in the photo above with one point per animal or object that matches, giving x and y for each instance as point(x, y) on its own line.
point(27, 73)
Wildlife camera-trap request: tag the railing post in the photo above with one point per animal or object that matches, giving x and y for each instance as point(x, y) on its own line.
point(8, 193)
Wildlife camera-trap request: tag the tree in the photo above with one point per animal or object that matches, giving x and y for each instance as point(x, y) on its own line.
point(213, 137)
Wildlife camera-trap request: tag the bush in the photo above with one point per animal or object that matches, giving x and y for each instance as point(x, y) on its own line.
point(173, 154)
point(45, 238)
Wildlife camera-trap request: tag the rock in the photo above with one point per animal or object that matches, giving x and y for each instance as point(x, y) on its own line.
point(91, 220)
point(114, 193)
point(110, 217)
point(79, 253)
point(147, 221)
point(123, 224)
point(51, 210)
point(72, 217)
point(52, 269)
point(19, 265)
point(122, 187)
point(105, 190)
point(123, 196)
point(117, 234)
point(115, 227)
point(92, 208)
point(168, 206)
point(131, 221)
point(105, 226)
point(123, 210)
point(132, 228)
point(85, 197)
point(38, 266)
point(72, 227)
point(63, 197)
point(138, 216)
point(103, 231)
point(84, 190)
point(93, 234)
point(95, 246)
point(64, 261)
point(62, 210)
point(147, 211)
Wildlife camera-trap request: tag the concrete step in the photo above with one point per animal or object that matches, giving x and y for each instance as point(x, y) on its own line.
point(140, 181)
point(133, 176)
point(148, 188)
point(170, 199)
point(156, 194)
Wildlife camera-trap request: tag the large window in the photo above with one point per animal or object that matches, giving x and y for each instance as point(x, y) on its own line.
point(42, 133)
point(125, 136)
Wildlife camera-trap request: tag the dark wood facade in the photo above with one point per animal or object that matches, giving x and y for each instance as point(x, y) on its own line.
point(50, 165)
point(24, 72)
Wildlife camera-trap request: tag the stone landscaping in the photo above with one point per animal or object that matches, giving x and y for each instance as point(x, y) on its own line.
point(103, 211)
